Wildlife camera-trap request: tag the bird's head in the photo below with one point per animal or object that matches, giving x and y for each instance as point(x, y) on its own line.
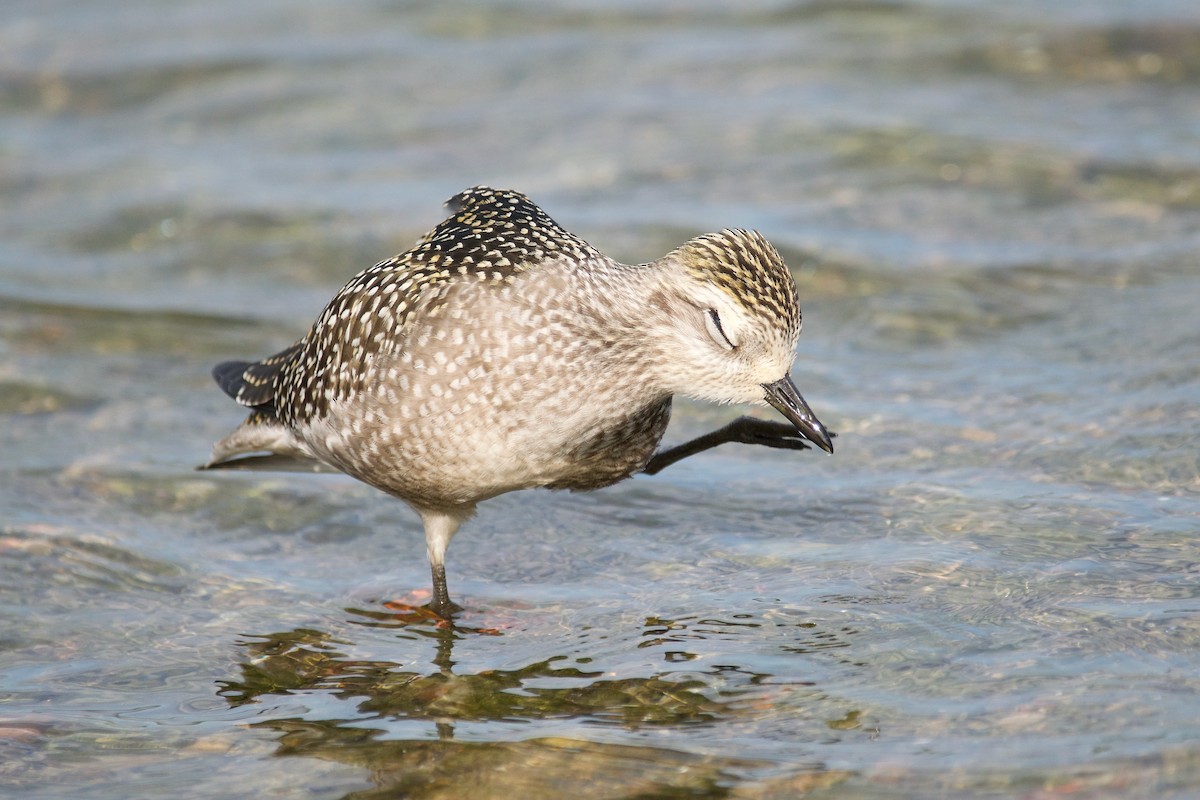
point(732, 321)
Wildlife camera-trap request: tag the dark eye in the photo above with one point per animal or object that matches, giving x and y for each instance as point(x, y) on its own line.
point(713, 323)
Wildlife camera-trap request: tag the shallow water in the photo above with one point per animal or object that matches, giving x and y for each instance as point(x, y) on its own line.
point(993, 215)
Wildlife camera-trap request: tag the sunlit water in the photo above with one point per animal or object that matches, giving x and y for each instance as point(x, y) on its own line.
point(993, 214)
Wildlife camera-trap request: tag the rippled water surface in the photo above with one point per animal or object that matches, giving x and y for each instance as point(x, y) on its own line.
point(993, 215)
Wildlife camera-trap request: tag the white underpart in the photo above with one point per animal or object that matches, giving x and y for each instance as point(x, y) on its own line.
point(440, 527)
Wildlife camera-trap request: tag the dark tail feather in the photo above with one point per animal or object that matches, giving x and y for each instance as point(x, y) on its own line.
point(253, 383)
point(228, 375)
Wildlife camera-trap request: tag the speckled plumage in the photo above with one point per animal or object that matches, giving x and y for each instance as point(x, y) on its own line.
point(502, 352)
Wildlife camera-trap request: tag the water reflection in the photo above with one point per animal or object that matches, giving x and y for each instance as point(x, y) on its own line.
point(533, 768)
point(304, 660)
point(440, 760)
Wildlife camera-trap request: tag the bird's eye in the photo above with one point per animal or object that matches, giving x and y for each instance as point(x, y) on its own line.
point(713, 323)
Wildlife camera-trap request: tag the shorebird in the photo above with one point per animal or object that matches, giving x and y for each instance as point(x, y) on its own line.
point(502, 352)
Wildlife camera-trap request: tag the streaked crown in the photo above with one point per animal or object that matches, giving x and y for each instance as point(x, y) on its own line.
point(750, 270)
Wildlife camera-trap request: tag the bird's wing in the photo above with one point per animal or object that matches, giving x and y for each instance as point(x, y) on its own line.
point(490, 237)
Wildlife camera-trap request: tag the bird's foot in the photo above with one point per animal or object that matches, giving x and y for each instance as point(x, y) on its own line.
point(441, 617)
point(743, 430)
point(752, 430)
point(409, 614)
point(445, 609)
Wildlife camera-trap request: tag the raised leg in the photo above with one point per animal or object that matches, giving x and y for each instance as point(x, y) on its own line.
point(743, 430)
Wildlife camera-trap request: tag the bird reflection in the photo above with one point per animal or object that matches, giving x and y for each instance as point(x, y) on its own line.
point(308, 660)
point(565, 695)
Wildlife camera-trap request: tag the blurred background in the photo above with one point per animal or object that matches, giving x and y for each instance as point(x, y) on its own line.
point(992, 211)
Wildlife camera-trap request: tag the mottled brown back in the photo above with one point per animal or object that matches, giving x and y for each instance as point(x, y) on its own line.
point(491, 236)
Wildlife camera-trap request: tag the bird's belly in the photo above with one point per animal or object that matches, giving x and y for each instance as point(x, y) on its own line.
point(449, 456)
point(490, 394)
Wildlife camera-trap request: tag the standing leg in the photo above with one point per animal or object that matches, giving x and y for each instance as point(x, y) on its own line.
point(440, 526)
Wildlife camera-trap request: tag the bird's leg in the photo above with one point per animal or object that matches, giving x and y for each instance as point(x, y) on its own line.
point(441, 604)
point(743, 430)
point(440, 526)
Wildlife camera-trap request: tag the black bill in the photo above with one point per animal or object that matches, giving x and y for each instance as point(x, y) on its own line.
point(786, 398)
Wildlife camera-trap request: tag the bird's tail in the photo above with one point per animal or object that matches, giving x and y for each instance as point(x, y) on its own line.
point(253, 383)
point(262, 442)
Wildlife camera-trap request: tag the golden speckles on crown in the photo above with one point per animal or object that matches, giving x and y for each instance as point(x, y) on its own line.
point(749, 269)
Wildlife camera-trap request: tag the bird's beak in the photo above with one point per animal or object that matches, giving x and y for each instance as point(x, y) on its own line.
point(786, 398)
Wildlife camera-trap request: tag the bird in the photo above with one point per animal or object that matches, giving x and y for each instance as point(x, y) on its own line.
point(502, 352)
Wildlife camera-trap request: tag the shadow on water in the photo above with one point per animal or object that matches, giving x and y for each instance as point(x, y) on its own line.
point(553, 698)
